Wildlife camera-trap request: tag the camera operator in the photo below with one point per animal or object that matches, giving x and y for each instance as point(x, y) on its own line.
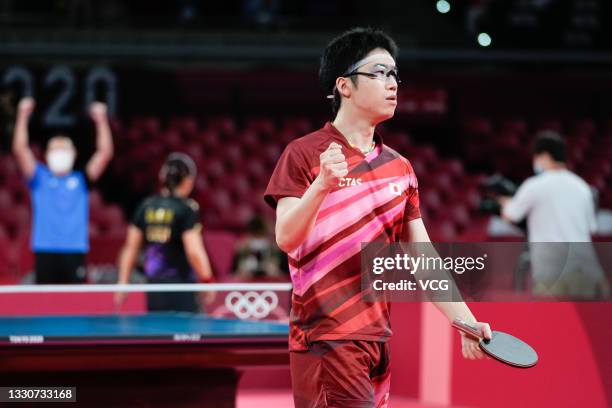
point(559, 208)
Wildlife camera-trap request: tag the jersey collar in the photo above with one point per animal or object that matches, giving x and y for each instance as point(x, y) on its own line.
point(341, 139)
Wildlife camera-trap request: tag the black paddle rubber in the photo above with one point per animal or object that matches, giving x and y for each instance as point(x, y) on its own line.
point(503, 346)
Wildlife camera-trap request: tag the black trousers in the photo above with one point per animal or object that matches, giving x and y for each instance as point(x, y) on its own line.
point(55, 267)
point(172, 301)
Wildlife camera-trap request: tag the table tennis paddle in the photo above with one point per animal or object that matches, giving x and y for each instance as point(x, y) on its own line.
point(502, 346)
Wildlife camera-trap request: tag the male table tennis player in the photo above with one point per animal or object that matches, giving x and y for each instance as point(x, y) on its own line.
point(332, 192)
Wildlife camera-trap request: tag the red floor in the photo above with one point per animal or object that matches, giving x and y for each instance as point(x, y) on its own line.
point(283, 399)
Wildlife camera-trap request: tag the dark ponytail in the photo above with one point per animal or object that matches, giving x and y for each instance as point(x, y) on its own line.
point(177, 167)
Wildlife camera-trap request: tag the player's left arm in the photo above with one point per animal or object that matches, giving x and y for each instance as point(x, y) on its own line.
point(453, 310)
point(104, 142)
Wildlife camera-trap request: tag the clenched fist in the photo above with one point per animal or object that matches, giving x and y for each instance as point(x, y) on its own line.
point(97, 111)
point(26, 106)
point(333, 166)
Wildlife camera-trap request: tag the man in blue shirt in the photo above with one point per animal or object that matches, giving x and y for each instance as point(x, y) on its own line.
point(59, 196)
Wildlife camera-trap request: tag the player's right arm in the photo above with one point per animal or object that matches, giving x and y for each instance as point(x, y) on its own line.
point(127, 260)
point(295, 217)
point(21, 149)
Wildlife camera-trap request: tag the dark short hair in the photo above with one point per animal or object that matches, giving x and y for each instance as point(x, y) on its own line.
point(177, 167)
point(550, 142)
point(345, 50)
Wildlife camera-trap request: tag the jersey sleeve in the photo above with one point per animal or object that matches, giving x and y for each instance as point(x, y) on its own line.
point(412, 205)
point(290, 177)
point(37, 176)
point(138, 220)
point(412, 210)
point(190, 218)
point(521, 204)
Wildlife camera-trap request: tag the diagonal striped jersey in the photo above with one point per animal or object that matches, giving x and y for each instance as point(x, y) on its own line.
point(374, 202)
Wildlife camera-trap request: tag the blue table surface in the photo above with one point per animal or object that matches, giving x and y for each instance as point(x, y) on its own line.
point(152, 324)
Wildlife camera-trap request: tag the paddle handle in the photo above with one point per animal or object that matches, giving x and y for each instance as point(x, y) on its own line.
point(467, 328)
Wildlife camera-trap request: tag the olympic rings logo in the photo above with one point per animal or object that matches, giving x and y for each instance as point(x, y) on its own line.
point(251, 305)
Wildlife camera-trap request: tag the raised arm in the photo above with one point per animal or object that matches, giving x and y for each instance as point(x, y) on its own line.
point(295, 217)
point(21, 148)
point(104, 142)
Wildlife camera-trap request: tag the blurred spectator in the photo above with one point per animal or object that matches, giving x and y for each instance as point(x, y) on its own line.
point(7, 119)
point(168, 224)
point(60, 196)
point(559, 208)
point(257, 255)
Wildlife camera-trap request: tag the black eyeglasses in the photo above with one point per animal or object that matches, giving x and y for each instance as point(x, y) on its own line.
point(380, 74)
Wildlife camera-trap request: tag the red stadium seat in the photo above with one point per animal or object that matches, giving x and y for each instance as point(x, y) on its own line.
point(549, 124)
point(271, 153)
point(459, 215)
point(220, 200)
point(149, 125)
point(237, 217)
point(239, 186)
point(427, 154)
point(442, 231)
point(172, 139)
point(114, 215)
point(452, 167)
point(301, 126)
point(507, 141)
point(186, 125)
point(6, 201)
point(477, 126)
point(419, 167)
point(8, 260)
point(442, 182)
point(94, 230)
point(517, 126)
point(133, 136)
point(18, 224)
point(194, 150)
point(286, 136)
point(96, 206)
point(224, 124)
point(255, 169)
point(232, 153)
point(596, 180)
point(469, 196)
point(201, 183)
point(116, 127)
point(399, 141)
point(8, 166)
point(116, 231)
point(430, 199)
point(214, 169)
point(249, 139)
point(263, 126)
point(209, 139)
point(584, 126)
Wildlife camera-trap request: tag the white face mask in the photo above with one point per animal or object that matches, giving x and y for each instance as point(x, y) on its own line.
point(537, 168)
point(60, 161)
